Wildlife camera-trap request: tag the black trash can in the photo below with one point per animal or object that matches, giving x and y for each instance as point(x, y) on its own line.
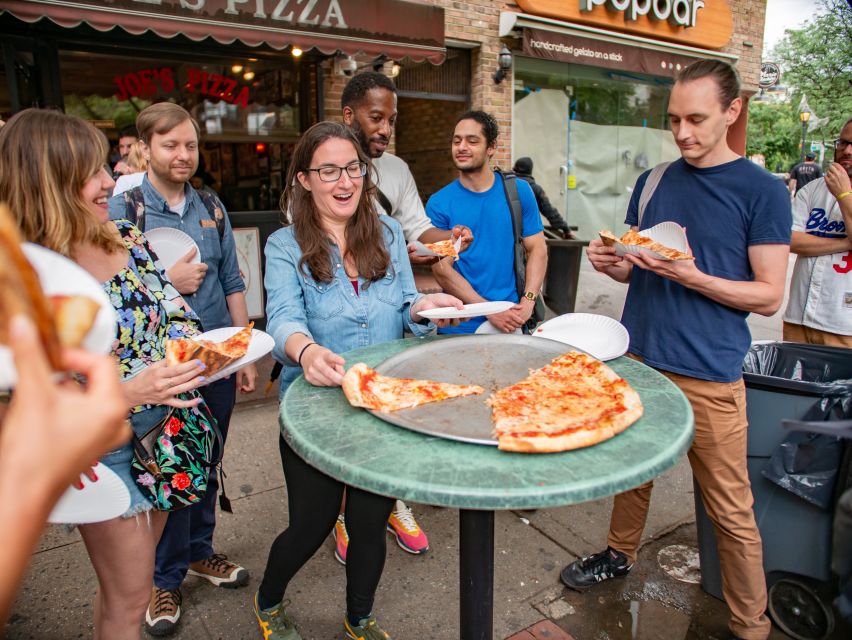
point(791, 381)
point(563, 270)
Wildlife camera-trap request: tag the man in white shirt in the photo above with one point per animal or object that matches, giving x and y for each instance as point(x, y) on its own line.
point(369, 109)
point(820, 307)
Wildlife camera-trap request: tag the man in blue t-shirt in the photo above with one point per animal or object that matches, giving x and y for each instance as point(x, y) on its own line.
point(476, 199)
point(687, 319)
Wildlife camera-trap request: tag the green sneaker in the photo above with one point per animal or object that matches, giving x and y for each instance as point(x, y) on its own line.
point(275, 624)
point(368, 630)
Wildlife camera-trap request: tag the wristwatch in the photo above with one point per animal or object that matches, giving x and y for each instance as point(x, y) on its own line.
point(531, 295)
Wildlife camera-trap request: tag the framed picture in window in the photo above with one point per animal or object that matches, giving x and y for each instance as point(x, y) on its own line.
point(248, 257)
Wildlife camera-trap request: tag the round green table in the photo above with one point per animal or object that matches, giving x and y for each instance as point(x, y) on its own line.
point(359, 449)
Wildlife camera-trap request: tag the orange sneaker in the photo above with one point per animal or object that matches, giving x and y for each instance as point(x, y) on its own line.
point(341, 539)
point(409, 536)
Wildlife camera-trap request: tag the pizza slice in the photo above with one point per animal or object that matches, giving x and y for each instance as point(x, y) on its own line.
point(215, 355)
point(444, 248)
point(634, 239)
point(574, 401)
point(74, 317)
point(21, 292)
point(365, 387)
point(237, 345)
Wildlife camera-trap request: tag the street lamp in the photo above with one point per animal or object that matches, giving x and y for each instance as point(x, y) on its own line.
point(804, 116)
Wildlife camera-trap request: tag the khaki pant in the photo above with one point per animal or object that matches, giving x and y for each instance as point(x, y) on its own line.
point(718, 460)
point(809, 335)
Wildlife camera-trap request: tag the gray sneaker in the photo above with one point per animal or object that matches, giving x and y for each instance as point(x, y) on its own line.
point(368, 629)
point(275, 624)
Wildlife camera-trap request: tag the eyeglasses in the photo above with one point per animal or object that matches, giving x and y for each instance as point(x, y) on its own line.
point(332, 174)
point(840, 144)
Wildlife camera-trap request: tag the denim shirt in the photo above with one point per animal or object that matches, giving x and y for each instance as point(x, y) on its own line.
point(223, 273)
point(332, 314)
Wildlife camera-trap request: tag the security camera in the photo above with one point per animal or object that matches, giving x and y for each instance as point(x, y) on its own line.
point(346, 66)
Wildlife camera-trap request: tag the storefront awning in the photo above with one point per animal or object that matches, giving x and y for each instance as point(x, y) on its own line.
point(395, 28)
point(581, 44)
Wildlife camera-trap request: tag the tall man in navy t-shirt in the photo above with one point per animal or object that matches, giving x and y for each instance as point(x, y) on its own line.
point(476, 199)
point(687, 319)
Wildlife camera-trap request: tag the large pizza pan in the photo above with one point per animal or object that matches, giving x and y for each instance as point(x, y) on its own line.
point(491, 361)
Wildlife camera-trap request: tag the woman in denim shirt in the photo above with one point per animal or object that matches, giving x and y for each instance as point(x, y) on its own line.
point(338, 278)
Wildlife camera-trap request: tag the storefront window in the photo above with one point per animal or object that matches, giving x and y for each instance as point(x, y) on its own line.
point(611, 127)
point(247, 110)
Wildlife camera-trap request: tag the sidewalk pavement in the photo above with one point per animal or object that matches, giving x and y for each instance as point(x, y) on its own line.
point(418, 595)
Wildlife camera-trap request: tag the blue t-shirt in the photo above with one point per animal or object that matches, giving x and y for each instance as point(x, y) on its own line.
point(488, 264)
point(725, 209)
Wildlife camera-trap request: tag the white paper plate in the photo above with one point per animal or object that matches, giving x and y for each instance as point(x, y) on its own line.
point(670, 234)
point(488, 328)
point(601, 336)
point(60, 276)
point(171, 245)
point(468, 311)
point(104, 499)
point(261, 344)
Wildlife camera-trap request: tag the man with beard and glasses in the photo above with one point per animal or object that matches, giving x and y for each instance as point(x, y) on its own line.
point(216, 292)
point(820, 307)
point(369, 109)
point(477, 199)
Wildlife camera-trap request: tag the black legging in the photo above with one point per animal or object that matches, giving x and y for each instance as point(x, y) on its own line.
point(314, 499)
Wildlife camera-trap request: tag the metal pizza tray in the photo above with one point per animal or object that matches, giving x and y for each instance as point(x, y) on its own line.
point(491, 361)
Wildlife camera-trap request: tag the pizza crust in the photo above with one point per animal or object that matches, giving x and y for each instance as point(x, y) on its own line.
point(352, 387)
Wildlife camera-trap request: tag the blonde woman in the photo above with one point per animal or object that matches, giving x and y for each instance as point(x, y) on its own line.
point(138, 166)
point(53, 177)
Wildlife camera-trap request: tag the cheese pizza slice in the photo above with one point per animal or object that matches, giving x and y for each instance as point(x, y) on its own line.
point(634, 239)
point(574, 401)
point(444, 248)
point(365, 387)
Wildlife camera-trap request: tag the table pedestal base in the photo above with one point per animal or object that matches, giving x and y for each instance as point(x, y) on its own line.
point(476, 574)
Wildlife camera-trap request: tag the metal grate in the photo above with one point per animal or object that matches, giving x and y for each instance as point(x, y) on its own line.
point(446, 81)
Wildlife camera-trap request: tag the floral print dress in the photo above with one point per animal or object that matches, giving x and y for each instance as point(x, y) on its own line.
point(149, 308)
point(150, 311)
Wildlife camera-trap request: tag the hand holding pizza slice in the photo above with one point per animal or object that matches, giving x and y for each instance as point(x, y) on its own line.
point(61, 321)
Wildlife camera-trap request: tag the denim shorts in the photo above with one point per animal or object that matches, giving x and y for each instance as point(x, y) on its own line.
point(120, 459)
point(119, 462)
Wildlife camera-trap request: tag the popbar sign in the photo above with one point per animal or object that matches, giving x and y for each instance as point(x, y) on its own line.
point(683, 13)
point(707, 24)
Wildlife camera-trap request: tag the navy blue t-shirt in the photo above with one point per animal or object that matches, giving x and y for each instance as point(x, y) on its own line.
point(725, 209)
point(488, 264)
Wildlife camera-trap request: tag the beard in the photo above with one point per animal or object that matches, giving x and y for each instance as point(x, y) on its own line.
point(362, 138)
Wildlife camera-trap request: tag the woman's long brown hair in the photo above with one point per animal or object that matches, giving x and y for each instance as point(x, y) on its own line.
point(364, 242)
point(46, 157)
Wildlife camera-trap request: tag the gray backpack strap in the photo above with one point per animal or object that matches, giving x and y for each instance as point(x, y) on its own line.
point(650, 187)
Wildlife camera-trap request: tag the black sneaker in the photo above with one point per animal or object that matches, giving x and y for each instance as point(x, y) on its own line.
point(587, 572)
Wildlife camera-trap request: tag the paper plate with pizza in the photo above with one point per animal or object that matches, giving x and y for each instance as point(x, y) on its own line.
point(518, 393)
point(223, 351)
point(665, 241)
point(67, 305)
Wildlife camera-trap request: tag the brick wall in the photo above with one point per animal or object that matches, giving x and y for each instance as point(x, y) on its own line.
point(423, 141)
